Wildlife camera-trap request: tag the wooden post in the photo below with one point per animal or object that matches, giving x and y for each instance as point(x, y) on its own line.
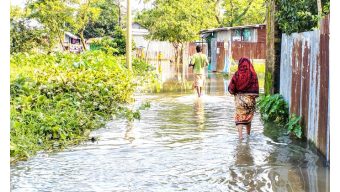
point(129, 36)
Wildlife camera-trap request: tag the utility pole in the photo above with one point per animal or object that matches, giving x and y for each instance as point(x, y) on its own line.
point(129, 36)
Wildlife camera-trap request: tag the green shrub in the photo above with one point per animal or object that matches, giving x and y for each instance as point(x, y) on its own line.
point(56, 99)
point(273, 108)
point(299, 16)
point(105, 44)
point(294, 126)
point(146, 75)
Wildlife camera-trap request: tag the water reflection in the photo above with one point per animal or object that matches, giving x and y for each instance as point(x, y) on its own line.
point(129, 134)
point(181, 143)
point(243, 173)
point(199, 113)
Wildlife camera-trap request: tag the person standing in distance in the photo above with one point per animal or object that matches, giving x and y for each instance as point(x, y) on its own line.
point(198, 62)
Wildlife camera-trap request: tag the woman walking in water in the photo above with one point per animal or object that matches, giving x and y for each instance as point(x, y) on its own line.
point(245, 87)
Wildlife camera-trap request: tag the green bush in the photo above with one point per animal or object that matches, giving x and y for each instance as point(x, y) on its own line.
point(57, 99)
point(146, 75)
point(299, 16)
point(273, 108)
point(105, 44)
point(294, 126)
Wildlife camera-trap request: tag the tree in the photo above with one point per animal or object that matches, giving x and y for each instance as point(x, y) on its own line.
point(114, 44)
point(244, 12)
point(298, 16)
point(178, 21)
point(107, 21)
point(53, 15)
point(87, 12)
point(24, 38)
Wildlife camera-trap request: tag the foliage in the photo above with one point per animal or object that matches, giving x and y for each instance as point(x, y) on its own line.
point(146, 76)
point(294, 126)
point(119, 38)
point(53, 15)
point(178, 21)
point(298, 16)
point(244, 12)
point(106, 23)
point(24, 38)
point(56, 99)
point(87, 12)
point(105, 44)
point(113, 46)
point(140, 66)
point(273, 108)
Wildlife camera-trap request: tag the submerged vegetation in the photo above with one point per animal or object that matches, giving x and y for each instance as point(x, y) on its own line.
point(57, 99)
point(274, 109)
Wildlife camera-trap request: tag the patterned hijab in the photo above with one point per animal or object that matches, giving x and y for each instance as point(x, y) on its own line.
point(245, 79)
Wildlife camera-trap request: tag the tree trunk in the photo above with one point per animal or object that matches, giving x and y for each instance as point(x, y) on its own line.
point(61, 41)
point(273, 51)
point(182, 62)
point(81, 34)
point(319, 8)
point(176, 46)
point(218, 13)
point(319, 11)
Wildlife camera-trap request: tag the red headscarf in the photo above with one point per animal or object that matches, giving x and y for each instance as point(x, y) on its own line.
point(245, 79)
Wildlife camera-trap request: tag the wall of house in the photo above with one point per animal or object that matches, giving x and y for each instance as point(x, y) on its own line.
point(254, 48)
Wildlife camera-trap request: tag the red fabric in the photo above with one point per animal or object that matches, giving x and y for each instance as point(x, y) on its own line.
point(245, 79)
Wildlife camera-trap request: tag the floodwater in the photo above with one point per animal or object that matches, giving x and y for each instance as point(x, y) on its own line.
point(181, 143)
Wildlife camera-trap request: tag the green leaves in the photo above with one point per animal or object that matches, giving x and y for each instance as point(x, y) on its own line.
point(298, 16)
point(56, 98)
point(178, 21)
point(294, 126)
point(107, 21)
point(273, 108)
point(244, 12)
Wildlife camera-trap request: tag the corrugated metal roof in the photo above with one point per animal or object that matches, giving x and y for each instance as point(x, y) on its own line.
point(230, 28)
point(71, 35)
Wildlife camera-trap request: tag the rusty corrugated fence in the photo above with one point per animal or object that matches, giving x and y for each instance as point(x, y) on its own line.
point(304, 81)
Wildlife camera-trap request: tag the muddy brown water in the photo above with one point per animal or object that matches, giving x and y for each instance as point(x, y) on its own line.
point(181, 143)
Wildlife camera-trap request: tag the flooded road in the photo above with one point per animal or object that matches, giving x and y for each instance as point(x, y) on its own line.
point(181, 143)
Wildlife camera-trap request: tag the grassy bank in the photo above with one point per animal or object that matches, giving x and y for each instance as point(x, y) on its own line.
point(57, 99)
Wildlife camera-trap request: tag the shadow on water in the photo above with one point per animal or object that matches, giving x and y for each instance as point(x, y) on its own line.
point(182, 143)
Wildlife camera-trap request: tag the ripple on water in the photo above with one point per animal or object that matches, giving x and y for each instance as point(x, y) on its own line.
point(181, 143)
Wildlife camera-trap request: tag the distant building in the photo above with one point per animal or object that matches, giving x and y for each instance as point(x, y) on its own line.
point(72, 43)
point(228, 44)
